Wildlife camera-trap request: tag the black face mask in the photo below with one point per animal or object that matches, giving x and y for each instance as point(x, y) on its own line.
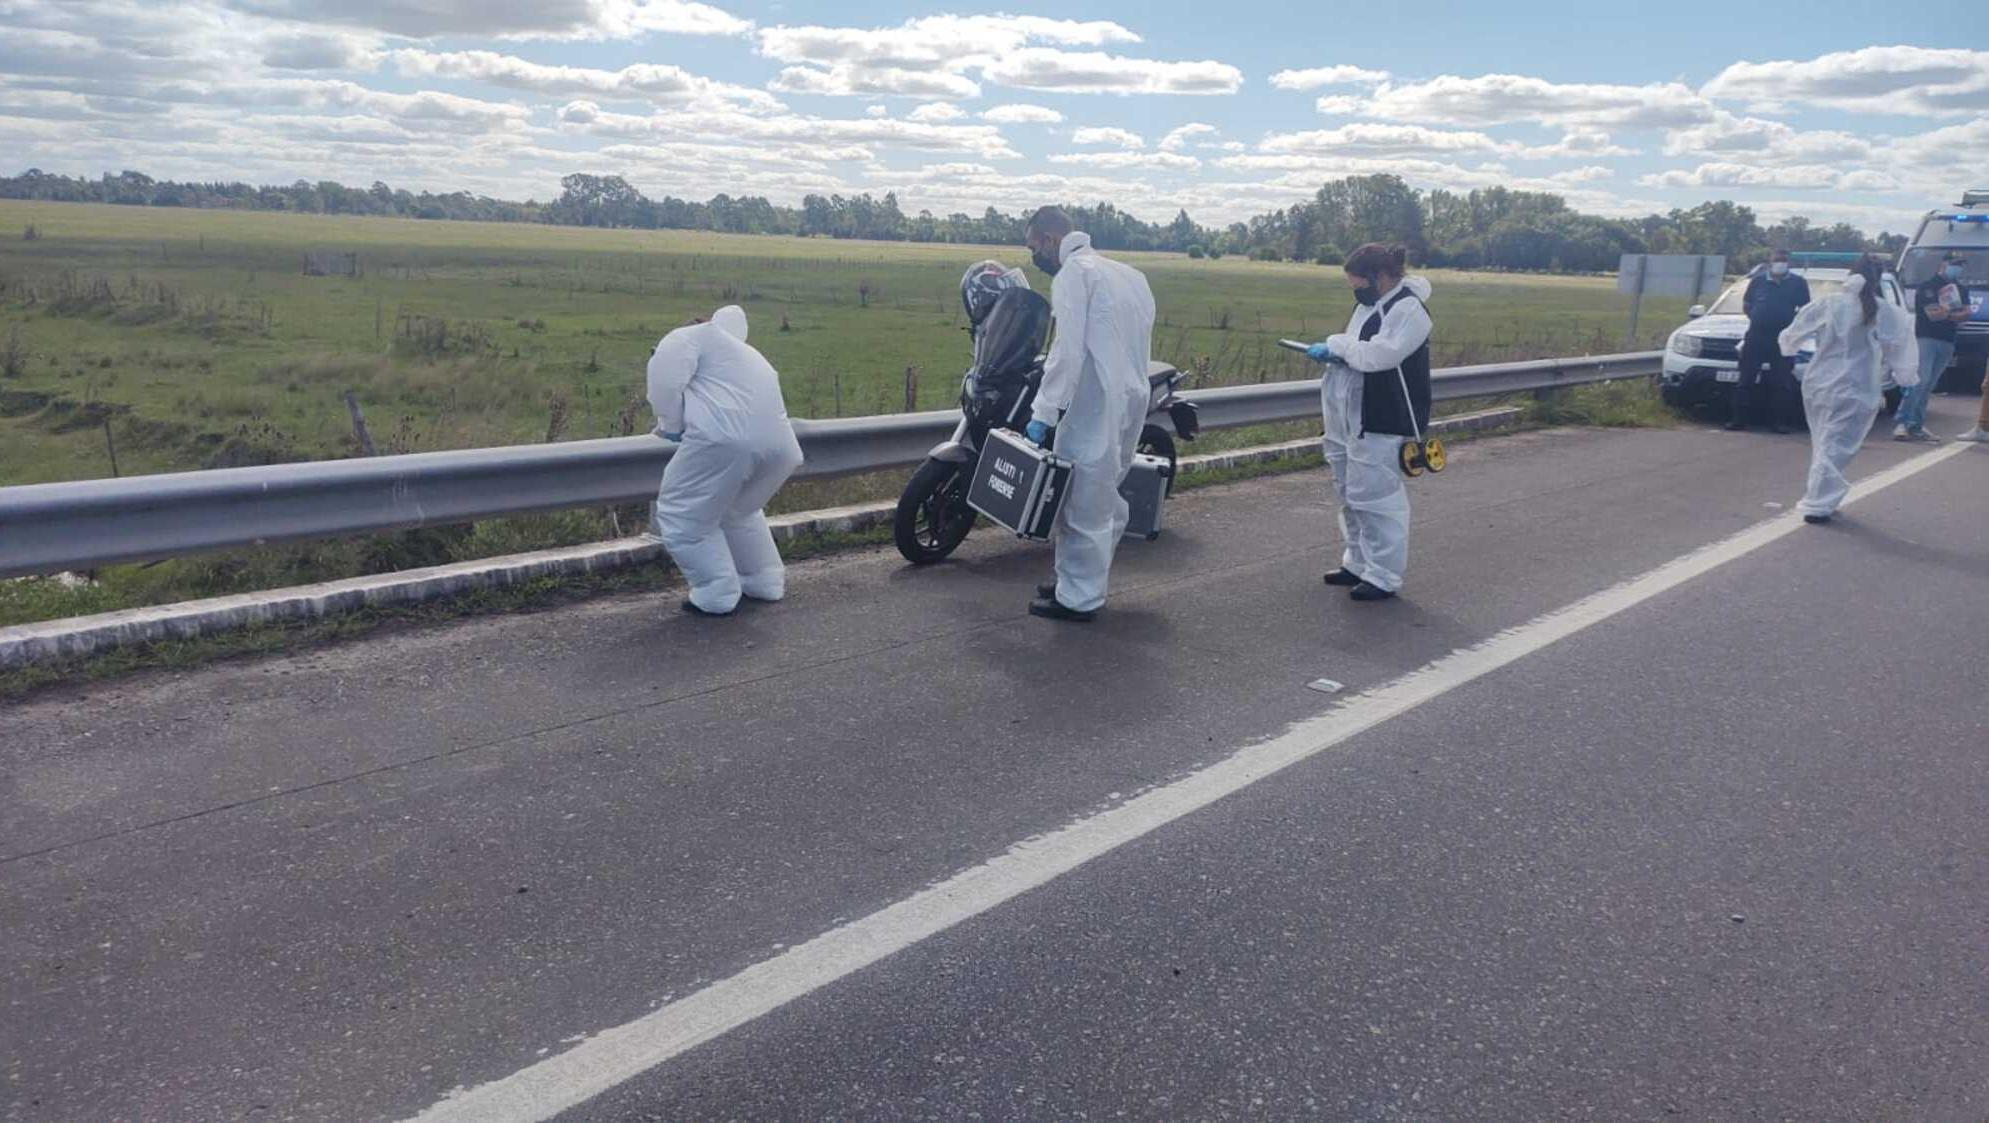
point(1368, 293)
point(1048, 263)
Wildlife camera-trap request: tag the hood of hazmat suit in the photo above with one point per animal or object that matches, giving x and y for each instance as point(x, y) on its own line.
point(738, 448)
point(1841, 384)
point(1095, 392)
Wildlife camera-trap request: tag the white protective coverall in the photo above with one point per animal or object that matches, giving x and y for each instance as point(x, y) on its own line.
point(1095, 392)
point(737, 449)
point(1841, 391)
point(1367, 472)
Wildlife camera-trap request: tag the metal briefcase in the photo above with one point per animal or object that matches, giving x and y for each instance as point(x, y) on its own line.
point(1018, 485)
point(1145, 492)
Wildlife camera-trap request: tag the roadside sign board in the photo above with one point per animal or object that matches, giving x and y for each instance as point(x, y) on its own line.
point(1666, 274)
point(1669, 274)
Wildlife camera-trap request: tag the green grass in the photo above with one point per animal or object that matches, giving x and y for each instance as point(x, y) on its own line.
point(192, 339)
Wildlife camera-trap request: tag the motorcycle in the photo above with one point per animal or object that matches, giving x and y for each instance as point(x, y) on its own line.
point(932, 516)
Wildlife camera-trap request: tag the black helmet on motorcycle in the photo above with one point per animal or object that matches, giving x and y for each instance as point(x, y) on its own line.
point(983, 285)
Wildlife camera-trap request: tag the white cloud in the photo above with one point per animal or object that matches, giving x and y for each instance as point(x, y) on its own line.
point(876, 111)
point(1866, 181)
point(1922, 81)
point(1178, 138)
point(856, 81)
point(1578, 143)
point(1327, 76)
point(1939, 164)
point(936, 111)
point(1160, 160)
point(934, 57)
point(511, 19)
point(1761, 141)
point(1023, 115)
point(1500, 99)
point(1093, 72)
point(1590, 174)
point(661, 84)
point(1728, 175)
point(1118, 138)
point(732, 126)
point(1371, 139)
point(319, 50)
point(933, 42)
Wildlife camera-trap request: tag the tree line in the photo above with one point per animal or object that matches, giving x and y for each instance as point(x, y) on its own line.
point(1487, 228)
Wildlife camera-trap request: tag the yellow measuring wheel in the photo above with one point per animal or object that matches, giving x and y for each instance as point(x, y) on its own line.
point(1412, 458)
point(1434, 456)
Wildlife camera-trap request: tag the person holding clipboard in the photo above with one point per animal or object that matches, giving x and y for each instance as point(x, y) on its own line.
point(1375, 398)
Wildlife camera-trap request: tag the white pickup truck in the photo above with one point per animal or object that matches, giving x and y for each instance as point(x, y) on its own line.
point(1702, 358)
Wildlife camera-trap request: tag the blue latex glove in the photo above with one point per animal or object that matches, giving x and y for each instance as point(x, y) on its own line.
point(676, 436)
point(1319, 353)
point(1037, 433)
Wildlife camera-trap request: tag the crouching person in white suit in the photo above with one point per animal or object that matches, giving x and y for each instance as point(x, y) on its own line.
point(719, 399)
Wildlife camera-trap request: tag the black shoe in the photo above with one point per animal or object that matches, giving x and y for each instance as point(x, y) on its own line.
point(1050, 608)
point(1365, 591)
point(1047, 591)
point(694, 610)
point(1816, 520)
point(1342, 578)
point(1734, 426)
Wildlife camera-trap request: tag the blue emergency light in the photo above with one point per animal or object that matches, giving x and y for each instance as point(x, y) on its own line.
point(1984, 217)
point(1820, 258)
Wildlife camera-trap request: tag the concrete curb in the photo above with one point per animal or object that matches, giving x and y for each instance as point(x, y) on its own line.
point(53, 641)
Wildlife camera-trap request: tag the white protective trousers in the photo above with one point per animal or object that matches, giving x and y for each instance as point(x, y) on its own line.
point(1841, 383)
point(1367, 480)
point(737, 449)
point(709, 513)
point(1101, 451)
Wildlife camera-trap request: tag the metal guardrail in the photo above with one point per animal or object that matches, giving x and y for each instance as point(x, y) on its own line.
point(48, 528)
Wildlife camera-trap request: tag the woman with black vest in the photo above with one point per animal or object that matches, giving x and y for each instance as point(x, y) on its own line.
point(1377, 378)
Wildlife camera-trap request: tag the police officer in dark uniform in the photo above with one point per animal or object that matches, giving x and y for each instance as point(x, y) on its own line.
point(1773, 296)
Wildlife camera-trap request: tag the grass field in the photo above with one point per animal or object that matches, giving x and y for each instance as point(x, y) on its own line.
point(194, 339)
point(197, 336)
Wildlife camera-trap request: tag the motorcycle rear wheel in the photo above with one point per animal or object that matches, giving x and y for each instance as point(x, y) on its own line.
point(932, 518)
point(1155, 441)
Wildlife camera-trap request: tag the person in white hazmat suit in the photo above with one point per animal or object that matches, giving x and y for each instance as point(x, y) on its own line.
point(1375, 394)
point(1094, 394)
point(720, 400)
point(1858, 338)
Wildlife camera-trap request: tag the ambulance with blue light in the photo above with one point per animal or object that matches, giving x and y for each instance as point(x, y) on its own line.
point(1964, 230)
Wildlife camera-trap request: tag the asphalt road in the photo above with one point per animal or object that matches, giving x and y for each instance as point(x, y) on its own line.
point(1716, 856)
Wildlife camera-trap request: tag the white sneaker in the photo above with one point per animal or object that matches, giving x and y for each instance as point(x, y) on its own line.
point(1923, 437)
point(1900, 433)
point(1979, 435)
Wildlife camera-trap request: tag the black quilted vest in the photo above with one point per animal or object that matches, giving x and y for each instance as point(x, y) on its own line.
point(1382, 408)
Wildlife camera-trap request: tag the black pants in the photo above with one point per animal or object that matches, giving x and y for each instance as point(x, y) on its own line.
point(1767, 384)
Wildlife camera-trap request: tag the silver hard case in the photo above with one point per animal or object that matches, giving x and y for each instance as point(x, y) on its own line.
point(1019, 485)
point(1145, 492)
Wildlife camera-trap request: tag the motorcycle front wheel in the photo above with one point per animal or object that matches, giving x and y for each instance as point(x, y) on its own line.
point(932, 517)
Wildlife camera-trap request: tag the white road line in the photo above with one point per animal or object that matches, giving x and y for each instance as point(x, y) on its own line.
point(615, 1055)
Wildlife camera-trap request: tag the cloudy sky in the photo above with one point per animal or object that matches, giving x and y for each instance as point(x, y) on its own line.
point(1863, 112)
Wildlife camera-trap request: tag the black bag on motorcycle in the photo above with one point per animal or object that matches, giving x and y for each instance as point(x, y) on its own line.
point(1006, 347)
